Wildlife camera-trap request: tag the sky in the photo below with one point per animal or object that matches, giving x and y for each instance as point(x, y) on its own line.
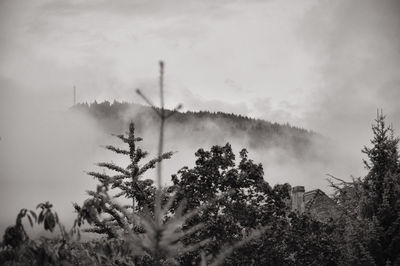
point(284, 61)
point(322, 65)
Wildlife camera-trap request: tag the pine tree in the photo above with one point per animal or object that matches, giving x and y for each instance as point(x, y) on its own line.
point(380, 202)
point(98, 210)
point(383, 166)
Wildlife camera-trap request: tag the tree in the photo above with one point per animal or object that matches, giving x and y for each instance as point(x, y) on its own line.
point(380, 203)
point(369, 224)
point(310, 242)
point(143, 232)
point(250, 202)
point(98, 210)
point(383, 167)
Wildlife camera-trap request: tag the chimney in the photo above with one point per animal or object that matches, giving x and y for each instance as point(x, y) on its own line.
point(298, 199)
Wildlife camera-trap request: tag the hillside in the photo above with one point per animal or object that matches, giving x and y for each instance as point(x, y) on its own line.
point(207, 128)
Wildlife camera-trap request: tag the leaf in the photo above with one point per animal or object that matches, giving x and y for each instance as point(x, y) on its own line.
point(33, 215)
point(20, 215)
point(41, 217)
point(56, 217)
point(49, 222)
point(30, 220)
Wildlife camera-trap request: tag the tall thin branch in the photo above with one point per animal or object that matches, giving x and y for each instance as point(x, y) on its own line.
point(163, 117)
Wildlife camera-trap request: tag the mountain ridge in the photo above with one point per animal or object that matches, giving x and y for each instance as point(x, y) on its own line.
point(252, 133)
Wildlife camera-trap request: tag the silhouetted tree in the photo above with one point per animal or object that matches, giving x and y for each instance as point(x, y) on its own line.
point(250, 203)
point(380, 202)
point(369, 219)
point(126, 182)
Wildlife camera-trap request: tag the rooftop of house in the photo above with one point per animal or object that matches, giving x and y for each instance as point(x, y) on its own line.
point(311, 196)
point(316, 202)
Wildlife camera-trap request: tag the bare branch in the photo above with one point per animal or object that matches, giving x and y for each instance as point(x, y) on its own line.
point(148, 102)
point(173, 111)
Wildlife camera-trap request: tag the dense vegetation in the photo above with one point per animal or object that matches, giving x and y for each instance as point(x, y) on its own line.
point(221, 211)
point(253, 133)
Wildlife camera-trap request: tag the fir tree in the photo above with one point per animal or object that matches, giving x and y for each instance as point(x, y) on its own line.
point(368, 222)
point(126, 182)
point(383, 166)
point(380, 202)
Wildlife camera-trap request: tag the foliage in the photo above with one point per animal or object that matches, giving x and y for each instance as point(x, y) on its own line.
point(16, 235)
point(156, 234)
point(219, 212)
point(215, 213)
point(112, 116)
point(18, 249)
point(211, 215)
point(309, 242)
point(47, 217)
point(382, 180)
point(369, 224)
point(251, 203)
point(380, 203)
point(105, 216)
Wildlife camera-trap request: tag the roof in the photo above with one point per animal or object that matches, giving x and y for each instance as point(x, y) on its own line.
point(311, 196)
point(319, 204)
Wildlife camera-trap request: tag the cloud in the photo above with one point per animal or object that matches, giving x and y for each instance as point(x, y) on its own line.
point(323, 65)
point(107, 49)
point(283, 112)
point(357, 46)
point(43, 153)
point(197, 103)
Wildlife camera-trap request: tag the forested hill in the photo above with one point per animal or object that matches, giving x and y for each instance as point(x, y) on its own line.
point(205, 127)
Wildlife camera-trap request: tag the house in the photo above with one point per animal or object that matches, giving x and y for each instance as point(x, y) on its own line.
point(315, 202)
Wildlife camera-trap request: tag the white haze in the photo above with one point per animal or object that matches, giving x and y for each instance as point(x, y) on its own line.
point(323, 65)
point(43, 154)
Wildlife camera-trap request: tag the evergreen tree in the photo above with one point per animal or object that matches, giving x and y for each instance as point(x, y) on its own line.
point(383, 166)
point(369, 224)
point(98, 210)
point(380, 203)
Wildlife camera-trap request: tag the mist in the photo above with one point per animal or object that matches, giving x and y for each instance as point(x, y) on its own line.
point(285, 159)
point(43, 154)
point(357, 46)
point(326, 66)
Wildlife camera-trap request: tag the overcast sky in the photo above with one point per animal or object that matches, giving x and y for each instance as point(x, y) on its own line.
point(322, 65)
point(305, 62)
